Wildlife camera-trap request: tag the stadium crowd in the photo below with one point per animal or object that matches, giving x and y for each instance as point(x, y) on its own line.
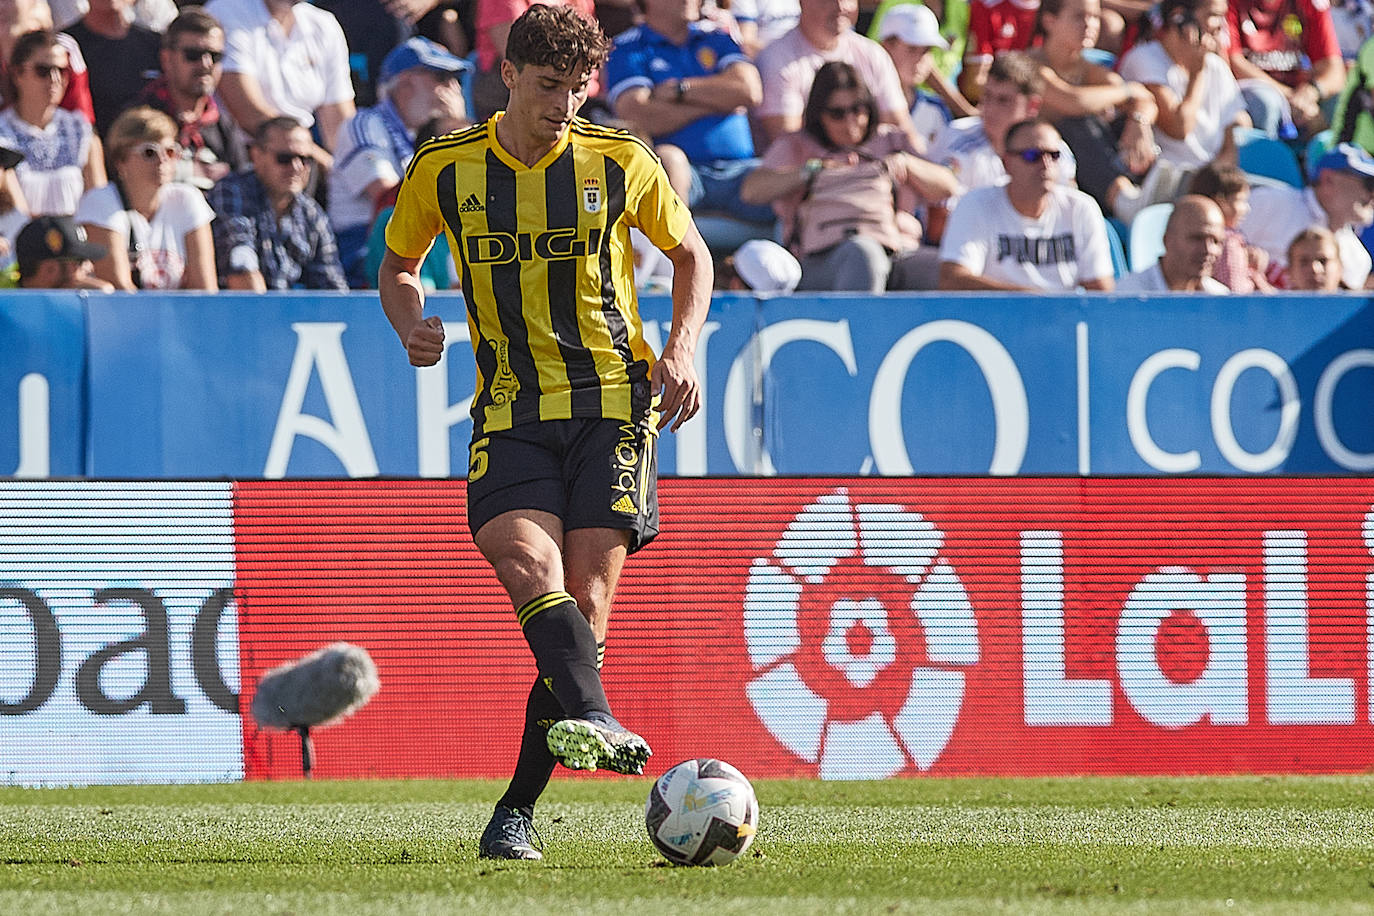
point(1214, 145)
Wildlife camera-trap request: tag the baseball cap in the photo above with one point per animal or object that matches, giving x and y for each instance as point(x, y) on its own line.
point(914, 24)
point(45, 237)
point(420, 52)
point(767, 267)
point(1347, 157)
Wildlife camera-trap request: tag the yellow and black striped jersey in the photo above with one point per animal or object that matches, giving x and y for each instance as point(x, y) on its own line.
point(547, 266)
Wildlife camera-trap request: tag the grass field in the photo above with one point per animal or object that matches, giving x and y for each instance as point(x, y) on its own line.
point(1238, 845)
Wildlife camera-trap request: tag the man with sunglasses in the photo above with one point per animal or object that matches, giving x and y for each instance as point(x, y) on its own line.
point(270, 234)
point(1031, 233)
point(191, 57)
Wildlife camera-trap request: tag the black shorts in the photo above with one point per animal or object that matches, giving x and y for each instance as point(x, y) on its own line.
point(590, 472)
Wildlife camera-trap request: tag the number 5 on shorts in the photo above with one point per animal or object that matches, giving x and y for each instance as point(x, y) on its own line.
point(477, 459)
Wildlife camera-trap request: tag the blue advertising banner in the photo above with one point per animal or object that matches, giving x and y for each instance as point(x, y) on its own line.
point(42, 374)
point(312, 385)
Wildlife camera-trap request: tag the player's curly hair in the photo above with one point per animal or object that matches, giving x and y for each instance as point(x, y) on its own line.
point(557, 37)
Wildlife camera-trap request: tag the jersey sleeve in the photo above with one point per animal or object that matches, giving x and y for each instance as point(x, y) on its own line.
point(417, 221)
point(979, 46)
point(626, 68)
point(1319, 39)
point(652, 205)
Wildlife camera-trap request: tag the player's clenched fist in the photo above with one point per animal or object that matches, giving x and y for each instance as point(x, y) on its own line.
point(425, 343)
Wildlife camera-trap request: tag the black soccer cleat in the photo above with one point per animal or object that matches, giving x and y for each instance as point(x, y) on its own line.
point(586, 744)
point(510, 834)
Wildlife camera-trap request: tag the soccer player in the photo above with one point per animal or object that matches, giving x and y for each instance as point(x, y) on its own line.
point(537, 205)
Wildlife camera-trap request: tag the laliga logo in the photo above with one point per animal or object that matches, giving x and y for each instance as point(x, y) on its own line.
point(851, 626)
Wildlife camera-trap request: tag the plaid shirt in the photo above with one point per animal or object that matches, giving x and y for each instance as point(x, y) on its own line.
point(297, 251)
point(1233, 264)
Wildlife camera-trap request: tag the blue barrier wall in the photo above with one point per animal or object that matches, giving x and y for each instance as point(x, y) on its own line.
point(314, 385)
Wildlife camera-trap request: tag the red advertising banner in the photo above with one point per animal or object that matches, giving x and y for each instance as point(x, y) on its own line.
point(855, 628)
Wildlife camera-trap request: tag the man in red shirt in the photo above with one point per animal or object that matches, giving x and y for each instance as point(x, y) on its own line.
point(994, 26)
point(1290, 50)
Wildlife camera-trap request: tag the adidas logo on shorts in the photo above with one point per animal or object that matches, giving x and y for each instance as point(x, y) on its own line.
point(624, 504)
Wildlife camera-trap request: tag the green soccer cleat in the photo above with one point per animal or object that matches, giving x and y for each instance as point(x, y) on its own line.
point(510, 834)
point(584, 744)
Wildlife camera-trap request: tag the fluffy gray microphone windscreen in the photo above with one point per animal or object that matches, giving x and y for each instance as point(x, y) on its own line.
point(318, 689)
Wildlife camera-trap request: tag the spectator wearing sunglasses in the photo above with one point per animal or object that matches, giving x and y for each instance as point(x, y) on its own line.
point(156, 231)
point(1031, 233)
point(120, 55)
point(192, 62)
point(268, 233)
point(62, 154)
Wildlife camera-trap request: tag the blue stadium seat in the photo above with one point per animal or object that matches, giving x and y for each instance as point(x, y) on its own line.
point(1262, 156)
point(1115, 234)
point(1147, 235)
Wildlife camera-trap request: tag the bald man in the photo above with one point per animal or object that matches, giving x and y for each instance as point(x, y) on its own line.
point(1192, 242)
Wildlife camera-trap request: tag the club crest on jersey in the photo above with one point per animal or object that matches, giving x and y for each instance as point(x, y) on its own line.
point(591, 195)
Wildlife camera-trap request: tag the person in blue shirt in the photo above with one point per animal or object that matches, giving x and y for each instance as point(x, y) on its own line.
point(688, 85)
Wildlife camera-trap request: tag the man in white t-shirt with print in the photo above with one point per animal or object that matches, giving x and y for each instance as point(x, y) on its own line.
point(1192, 243)
point(1030, 234)
point(1341, 198)
point(825, 32)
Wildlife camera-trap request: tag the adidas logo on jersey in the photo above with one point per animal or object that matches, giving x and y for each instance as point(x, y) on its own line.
point(471, 205)
point(624, 504)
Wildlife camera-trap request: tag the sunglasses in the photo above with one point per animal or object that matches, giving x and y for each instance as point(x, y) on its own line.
point(46, 71)
point(840, 112)
point(196, 55)
point(1032, 156)
point(156, 151)
point(290, 159)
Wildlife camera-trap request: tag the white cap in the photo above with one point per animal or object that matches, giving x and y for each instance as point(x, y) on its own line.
point(767, 267)
point(914, 24)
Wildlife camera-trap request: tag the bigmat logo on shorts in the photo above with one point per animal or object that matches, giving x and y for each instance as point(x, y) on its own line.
point(858, 627)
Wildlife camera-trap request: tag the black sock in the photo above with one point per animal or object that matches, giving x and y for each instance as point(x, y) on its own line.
point(535, 763)
point(565, 653)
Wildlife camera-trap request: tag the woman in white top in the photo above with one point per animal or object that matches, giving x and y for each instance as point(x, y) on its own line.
point(62, 156)
point(157, 231)
point(1198, 98)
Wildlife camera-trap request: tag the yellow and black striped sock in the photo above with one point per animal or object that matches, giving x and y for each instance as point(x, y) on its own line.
point(565, 652)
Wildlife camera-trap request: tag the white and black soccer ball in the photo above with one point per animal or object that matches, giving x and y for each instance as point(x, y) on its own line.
point(702, 812)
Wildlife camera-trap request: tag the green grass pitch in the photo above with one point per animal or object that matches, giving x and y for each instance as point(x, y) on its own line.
point(1273, 845)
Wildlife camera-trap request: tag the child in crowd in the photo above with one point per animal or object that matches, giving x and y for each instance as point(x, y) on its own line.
point(1241, 266)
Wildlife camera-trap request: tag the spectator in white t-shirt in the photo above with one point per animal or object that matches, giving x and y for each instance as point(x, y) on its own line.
point(156, 231)
point(1341, 198)
point(283, 57)
point(1031, 233)
point(1198, 99)
point(824, 33)
point(1192, 243)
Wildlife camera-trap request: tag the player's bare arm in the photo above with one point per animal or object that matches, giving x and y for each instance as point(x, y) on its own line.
point(403, 300)
point(674, 376)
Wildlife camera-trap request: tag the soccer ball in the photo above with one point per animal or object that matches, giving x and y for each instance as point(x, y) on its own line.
point(702, 812)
